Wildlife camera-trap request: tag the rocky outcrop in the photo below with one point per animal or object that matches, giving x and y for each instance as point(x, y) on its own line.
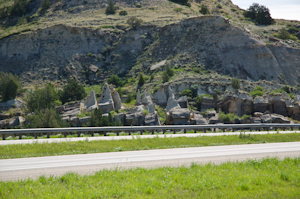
point(207, 103)
point(135, 119)
point(152, 119)
point(138, 98)
point(198, 119)
point(106, 103)
point(261, 104)
point(13, 103)
point(276, 118)
point(172, 104)
point(160, 97)
point(117, 100)
point(240, 104)
point(90, 101)
point(278, 105)
point(183, 102)
point(179, 116)
point(146, 98)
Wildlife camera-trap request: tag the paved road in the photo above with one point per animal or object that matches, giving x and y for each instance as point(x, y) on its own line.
point(12, 169)
point(129, 137)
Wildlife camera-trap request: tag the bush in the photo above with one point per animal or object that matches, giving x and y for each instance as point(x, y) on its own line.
point(138, 5)
point(110, 9)
point(72, 91)
point(45, 4)
point(18, 9)
point(130, 97)
point(123, 13)
point(235, 83)
point(141, 80)
point(204, 10)
point(187, 92)
point(259, 13)
point(246, 117)
point(182, 2)
point(115, 80)
point(47, 118)
point(134, 22)
point(9, 86)
point(258, 91)
point(283, 34)
point(42, 98)
point(229, 117)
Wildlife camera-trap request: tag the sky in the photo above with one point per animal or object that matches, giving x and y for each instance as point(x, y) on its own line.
point(279, 9)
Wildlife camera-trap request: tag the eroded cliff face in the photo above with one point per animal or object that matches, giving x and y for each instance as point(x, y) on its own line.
point(60, 52)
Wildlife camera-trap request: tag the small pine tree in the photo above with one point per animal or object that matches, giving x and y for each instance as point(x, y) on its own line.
point(110, 120)
point(169, 71)
point(141, 80)
point(110, 9)
point(235, 83)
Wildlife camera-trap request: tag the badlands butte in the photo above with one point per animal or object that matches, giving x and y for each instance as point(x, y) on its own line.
point(76, 39)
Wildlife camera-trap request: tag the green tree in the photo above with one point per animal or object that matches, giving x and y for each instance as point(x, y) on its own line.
point(8, 86)
point(141, 80)
point(204, 10)
point(134, 22)
point(259, 13)
point(18, 9)
point(235, 83)
point(96, 118)
point(169, 71)
point(110, 9)
point(42, 98)
point(187, 92)
point(110, 120)
point(167, 74)
point(72, 91)
point(115, 80)
point(45, 4)
point(47, 118)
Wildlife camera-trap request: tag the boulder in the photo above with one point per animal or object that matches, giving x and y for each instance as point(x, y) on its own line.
point(16, 121)
point(215, 120)
point(90, 102)
point(4, 116)
point(146, 98)
point(138, 98)
point(152, 119)
point(13, 103)
point(258, 114)
point(172, 104)
point(207, 103)
point(170, 93)
point(211, 113)
point(74, 121)
point(179, 116)
point(117, 100)
point(60, 109)
point(2, 124)
point(276, 118)
point(278, 105)
point(183, 102)
point(106, 103)
point(289, 107)
point(239, 104)
point(296, 111)
point(261, 104)
point(266, 118)
point(198, 120)
point(151, 108)
point(160, 97)
point(256, 120)
point(135, 119)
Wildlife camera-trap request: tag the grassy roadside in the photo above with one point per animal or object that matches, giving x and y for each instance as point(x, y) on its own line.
point(267, 178)
point(83, 147)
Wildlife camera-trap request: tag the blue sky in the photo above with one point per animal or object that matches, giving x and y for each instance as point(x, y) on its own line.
point(280, 9)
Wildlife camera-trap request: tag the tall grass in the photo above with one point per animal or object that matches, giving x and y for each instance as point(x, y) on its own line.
point(267, 178)
point(83, 147)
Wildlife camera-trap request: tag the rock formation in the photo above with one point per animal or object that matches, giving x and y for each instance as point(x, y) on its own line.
point(106, 103)
point(117, 100)
point(138, 98)
point(91, 102)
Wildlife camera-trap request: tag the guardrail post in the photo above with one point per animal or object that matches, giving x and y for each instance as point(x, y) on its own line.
point(215, 130)
point(20, 136)
point(224, 130)
point(104, 133)
point(232, 129)
point(174, 131)
point(164, 131)
point(35, 135)
point(184, 130)
point(65, 134)
point(3, 136)
point(250, 129)
point(195, 130)
point(204, 130)
point(48, 135)
point(118, 133)
point(292, 128)
point(276, 128)
point(92, 133)
point(78, 134)
point(141, 132)
point(283, 128)
point(129, 132)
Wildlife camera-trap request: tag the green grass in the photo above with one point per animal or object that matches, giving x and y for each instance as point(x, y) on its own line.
point(83, 147)
point(267, 178)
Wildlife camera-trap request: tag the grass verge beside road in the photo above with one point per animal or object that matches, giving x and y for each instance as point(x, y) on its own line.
point(83, 147)
point(267, 178)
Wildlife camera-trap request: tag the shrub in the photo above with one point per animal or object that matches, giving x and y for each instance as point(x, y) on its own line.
point(45, 4)
point(123, 13)
point(246, 117)
point(130, 97)
point(187, 92)
point(229, 117)
point(72, 91)
point(204, 10)
point(47, 118)
point(182, 2)
point(169, 71)
point(110, 9)
point(42, 98)
point(141, 80)
point(134, 22)
point(138, 5)
point(282, 34)
point(115, 80)
point(9, 86)
point(235, 83)
point(145, 112)
point(258, 91)
point(259, 13)
point(18, 9)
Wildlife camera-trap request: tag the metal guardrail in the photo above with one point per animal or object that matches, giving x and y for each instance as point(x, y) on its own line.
point(130, 129)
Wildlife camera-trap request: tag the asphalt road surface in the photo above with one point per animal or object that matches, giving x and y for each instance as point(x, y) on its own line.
point(22, 168)
point(129, 137)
